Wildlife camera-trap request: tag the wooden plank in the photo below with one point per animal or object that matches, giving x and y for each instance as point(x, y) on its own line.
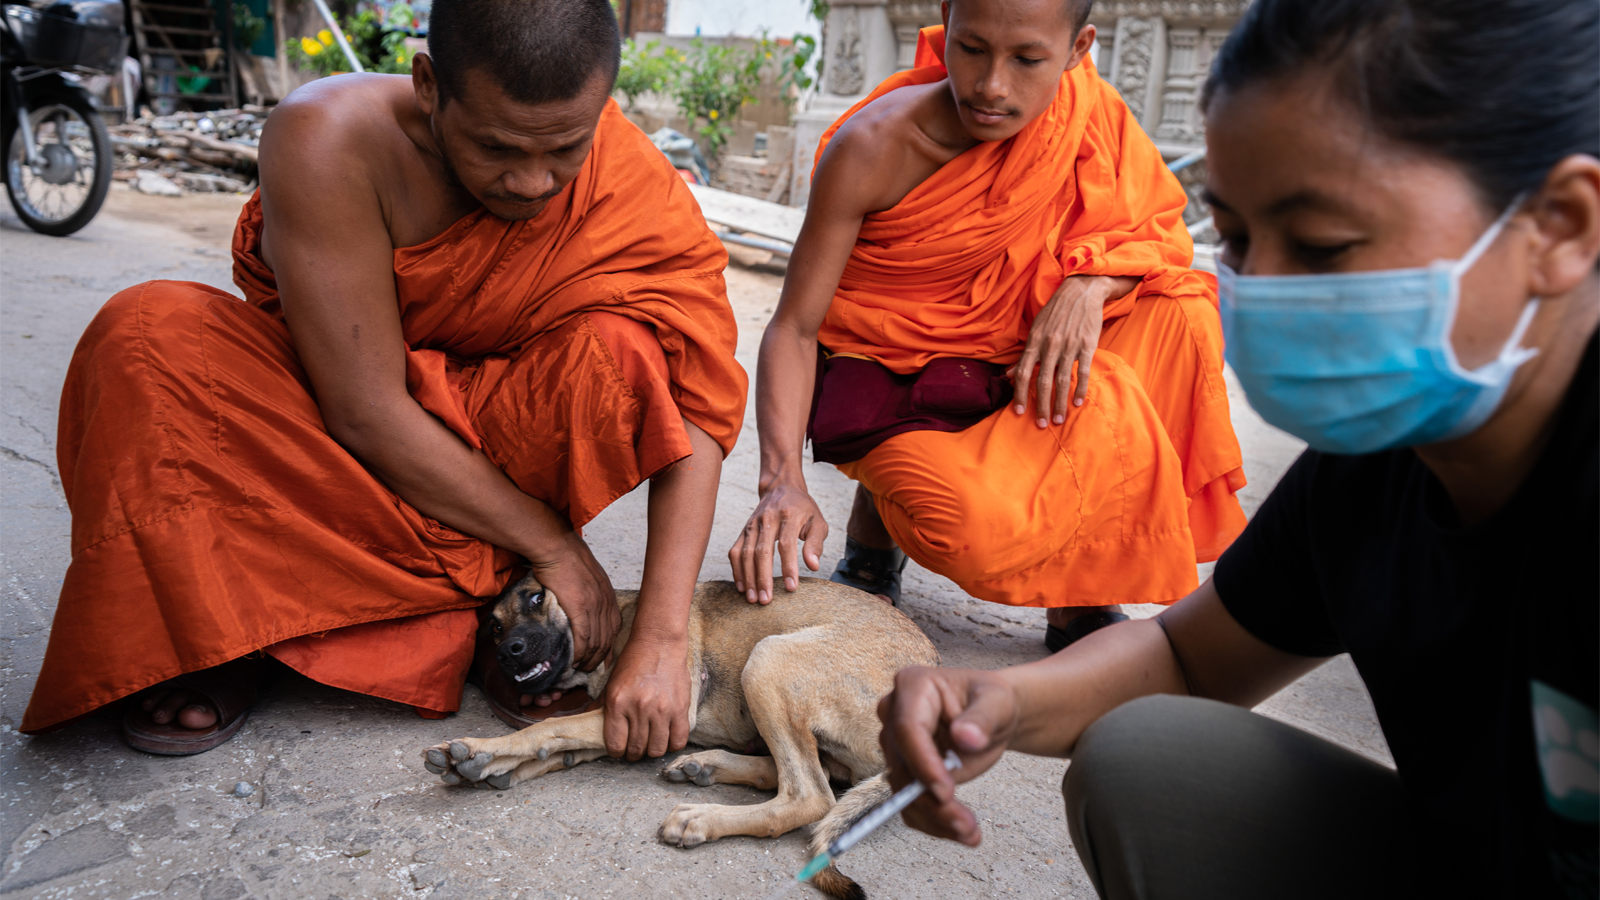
point(182, 10)
point(749, 214)
point(172, 29)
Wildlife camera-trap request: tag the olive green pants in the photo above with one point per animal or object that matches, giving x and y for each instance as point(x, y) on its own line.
point(1177, 797)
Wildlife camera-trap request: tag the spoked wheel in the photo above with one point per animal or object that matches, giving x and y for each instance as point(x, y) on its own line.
point(64, 187)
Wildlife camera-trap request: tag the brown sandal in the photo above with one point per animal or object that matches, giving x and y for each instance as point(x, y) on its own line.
point(230, 689)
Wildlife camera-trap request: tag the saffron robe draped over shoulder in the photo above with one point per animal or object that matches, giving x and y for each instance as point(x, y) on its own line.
point(213, 516)
point(1117, 504)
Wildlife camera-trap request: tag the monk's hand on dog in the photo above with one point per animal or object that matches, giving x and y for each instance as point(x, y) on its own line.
point(1066, 332)
point(786, 516)
point(932, 710)
point(573, 574)
point(647, 699)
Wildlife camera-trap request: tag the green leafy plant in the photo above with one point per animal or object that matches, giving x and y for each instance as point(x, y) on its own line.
point(710, 83)
point(645, 70)
point(799, 73)
point(790, 63)
point(713, 82)
point(247, 26)
point(377, 40)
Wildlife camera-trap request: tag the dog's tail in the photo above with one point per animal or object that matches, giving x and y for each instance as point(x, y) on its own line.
point(856, 802)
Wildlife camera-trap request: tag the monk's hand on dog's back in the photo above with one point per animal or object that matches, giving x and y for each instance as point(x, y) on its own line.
point(785, 516)
point(584, 590)
point(647, 698)
point(932, 710)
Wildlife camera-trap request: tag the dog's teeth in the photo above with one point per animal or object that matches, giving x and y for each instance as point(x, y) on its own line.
point(540, 669)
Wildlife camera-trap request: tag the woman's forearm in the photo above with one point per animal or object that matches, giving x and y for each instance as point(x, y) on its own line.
point(1058, 697)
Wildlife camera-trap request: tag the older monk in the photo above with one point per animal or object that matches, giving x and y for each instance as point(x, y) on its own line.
point(1016, 363)
point(478, 307)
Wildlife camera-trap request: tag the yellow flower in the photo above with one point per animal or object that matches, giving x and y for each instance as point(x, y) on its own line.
point(400, 58)
point(326, 37)
point(713, 115)
point(311, 48)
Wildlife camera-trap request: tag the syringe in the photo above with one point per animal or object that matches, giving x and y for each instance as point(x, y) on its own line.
point(870, 822)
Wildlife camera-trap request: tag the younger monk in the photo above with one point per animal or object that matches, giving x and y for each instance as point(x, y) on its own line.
point(479, 307)
point(992, 229)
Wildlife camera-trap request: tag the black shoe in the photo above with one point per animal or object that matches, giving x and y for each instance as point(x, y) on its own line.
point(870, 569)
point(1058, 639)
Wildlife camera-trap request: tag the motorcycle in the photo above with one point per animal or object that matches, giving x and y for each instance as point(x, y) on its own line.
point(58, 155)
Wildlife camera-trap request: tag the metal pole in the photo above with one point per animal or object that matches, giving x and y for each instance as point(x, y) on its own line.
point(279, 38)
point(338, 35)
point(747, 240)
point(1178, 165)
point(228, 55)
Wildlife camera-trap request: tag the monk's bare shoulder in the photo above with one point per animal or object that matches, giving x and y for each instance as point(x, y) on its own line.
point(893, 145)
point(354, 142)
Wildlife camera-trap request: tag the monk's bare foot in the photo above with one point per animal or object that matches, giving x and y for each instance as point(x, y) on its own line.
point(168, 702)
point(866, 526)
point(539, 700)
point(1061, 615)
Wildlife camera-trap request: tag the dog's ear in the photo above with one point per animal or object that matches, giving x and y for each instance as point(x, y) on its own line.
point(531, 601)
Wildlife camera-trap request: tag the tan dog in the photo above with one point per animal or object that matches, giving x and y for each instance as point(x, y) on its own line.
point(803, 675)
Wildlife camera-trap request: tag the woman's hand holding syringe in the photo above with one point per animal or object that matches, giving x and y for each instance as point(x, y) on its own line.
point(975, 711)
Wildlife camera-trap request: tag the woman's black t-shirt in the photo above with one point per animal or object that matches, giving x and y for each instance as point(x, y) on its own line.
point(1480, 645)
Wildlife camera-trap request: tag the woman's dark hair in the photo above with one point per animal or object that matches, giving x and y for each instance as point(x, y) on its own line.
point(1504, 88)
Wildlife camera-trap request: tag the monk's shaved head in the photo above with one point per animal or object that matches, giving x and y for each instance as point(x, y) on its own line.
point(1077, 11)
point(538, 51)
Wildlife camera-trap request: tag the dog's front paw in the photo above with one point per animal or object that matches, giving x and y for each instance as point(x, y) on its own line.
point(460, 761)
point(690, 769)
point(690, 825)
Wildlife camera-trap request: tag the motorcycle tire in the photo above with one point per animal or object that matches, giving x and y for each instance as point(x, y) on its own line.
point(100, 183)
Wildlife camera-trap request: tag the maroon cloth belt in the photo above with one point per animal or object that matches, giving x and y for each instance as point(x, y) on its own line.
point(858, 404)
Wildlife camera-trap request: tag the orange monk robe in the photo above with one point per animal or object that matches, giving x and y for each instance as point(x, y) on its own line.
point(213, 516)
point(1117, 504)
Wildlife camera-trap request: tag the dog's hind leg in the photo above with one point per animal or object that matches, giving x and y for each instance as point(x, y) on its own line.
point(783, 712)
point(722, 767)
point(495, 759)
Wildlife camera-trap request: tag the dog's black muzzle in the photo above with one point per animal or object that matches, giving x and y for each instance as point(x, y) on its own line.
point(534, 656)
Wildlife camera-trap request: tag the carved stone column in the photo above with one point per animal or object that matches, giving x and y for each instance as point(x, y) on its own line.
point(909, 17)
point(1139, 54)
point(859, 50)
point(1157, 53)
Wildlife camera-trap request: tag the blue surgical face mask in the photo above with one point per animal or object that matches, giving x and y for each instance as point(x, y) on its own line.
point(1358, 362)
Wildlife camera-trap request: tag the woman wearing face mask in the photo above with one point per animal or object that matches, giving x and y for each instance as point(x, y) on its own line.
point(1409, 191)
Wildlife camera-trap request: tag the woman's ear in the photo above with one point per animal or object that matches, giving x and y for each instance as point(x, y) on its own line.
point(1566, 219)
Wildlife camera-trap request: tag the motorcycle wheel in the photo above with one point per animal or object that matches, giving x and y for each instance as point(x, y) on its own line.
point(62, 193)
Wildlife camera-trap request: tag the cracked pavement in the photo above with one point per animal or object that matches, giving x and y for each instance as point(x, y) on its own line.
point(338, 805)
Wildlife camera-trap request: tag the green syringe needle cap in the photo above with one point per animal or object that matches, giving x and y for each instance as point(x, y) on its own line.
point(816, 865)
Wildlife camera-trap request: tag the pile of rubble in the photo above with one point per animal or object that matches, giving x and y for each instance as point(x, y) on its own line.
point(205, 151)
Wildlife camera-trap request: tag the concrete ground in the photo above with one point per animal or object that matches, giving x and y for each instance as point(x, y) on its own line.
point(340, 806)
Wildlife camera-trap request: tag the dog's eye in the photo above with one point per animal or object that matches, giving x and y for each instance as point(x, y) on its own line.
point(498, 628)
point(531, 602)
